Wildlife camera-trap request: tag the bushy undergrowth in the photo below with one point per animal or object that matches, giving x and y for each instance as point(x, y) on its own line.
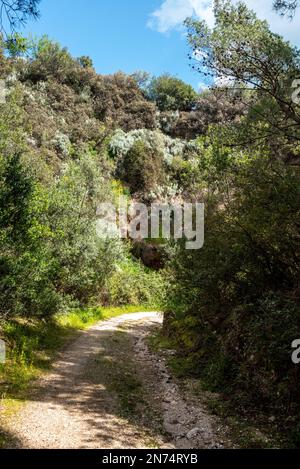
point(133, 283)
point(234, 305)
point(51, 255)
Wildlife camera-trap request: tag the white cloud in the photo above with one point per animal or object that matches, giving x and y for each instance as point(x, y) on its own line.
point(172, 14)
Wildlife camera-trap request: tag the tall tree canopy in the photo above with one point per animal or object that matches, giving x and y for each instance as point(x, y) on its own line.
point(241, 52)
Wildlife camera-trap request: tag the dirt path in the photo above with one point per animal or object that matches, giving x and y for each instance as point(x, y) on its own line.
point(107, 390)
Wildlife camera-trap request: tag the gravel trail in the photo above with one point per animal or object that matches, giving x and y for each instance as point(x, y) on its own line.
point(74, 405)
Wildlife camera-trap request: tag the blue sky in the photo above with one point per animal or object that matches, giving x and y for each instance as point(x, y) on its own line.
point(132, 35)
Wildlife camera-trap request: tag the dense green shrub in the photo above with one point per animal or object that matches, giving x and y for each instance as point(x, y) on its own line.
point(26, 285)
point(83, 260)
point(50, 254)
point(133, 284)
point(153, 163)
point(237, 300)
point(171, 94)
point(143, 168)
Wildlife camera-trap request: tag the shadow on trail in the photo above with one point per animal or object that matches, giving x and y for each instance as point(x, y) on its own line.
point(8, 439)
point(78, 401)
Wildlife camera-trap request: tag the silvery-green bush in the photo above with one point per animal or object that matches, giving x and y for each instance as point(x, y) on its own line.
point(121, 142)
